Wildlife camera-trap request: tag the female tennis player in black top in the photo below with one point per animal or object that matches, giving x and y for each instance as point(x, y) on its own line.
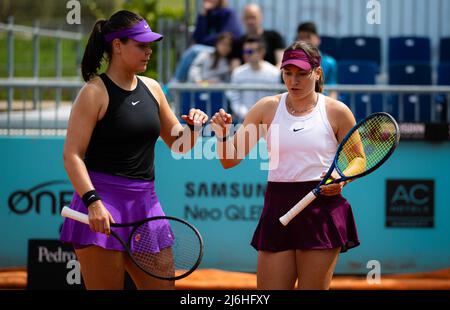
point(109, 150)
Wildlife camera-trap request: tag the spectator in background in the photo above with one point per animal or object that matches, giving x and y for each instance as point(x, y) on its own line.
point(213, 19)
point(213, 67)
point(253, 23)
point(255, 71)
point(308, 32)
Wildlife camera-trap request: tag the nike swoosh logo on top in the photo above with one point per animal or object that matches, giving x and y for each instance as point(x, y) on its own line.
point(134, 103)
point(297, 129)
point(146, 26)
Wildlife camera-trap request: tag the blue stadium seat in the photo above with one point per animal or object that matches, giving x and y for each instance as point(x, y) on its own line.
point(360, 48)
point(363, 104)
point(359, 73)
point(444, 73)
point(441, 100)
point(200, 100)
point(444, 50)
point(416, 107)
point(409, 49)
point(329, 46)
point(410, 74)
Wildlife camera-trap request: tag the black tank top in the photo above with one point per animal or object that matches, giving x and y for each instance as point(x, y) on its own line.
point(123, 141)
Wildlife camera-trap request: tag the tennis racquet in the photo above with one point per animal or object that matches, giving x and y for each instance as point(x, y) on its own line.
point(364, 149)
point(164, 247)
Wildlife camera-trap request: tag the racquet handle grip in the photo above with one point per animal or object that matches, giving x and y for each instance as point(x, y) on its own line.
point(285, 219)
point(75, 215)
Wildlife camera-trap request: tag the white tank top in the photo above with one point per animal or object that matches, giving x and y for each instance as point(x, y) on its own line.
point(300, 147)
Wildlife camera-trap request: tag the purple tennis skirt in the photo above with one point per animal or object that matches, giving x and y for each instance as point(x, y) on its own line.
point(325, 224)
point(128, 200)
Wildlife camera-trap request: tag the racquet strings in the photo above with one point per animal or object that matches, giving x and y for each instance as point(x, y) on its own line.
point(368, 145)
point(165, 248)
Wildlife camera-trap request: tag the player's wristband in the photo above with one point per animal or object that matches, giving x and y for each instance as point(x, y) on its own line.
point(89, 197)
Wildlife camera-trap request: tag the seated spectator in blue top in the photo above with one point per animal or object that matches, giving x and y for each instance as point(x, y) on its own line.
point(213, 67)
point(214, 18)
point(308, 32)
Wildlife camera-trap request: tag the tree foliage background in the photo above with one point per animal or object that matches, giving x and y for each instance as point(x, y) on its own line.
point(52, 14)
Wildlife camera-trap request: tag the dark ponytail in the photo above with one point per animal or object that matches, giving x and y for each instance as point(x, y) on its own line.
point(94, 51)
point(97, 46)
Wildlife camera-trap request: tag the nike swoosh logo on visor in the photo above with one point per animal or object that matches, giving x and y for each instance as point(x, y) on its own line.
point(134, 103)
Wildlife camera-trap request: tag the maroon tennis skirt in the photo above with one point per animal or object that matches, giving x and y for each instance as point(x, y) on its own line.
point(325, 224)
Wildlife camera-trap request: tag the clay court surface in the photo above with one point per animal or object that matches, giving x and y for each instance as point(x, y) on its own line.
point(214, 279)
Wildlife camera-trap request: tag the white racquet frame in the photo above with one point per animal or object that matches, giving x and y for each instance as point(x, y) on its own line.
point(75, 215)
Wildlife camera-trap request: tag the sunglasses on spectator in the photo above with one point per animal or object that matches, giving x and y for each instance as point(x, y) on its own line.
point(249, 51)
